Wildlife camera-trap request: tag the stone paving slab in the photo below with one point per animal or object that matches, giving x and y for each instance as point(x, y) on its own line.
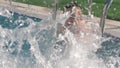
point(30, 10)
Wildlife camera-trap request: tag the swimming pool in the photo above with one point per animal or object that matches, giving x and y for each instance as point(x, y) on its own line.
point(12, 23)
point(28, 42)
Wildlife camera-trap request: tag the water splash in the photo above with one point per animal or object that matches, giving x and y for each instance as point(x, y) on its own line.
point(36, 46)
point(6, 13)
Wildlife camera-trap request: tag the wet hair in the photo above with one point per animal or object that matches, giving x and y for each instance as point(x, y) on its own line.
point(71, 20)
point(69, 6)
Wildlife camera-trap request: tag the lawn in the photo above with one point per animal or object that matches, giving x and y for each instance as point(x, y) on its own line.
point(113, 13)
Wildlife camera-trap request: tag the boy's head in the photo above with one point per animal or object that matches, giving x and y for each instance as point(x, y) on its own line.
point(75, 12)
point(75, 22)
point(69, 7)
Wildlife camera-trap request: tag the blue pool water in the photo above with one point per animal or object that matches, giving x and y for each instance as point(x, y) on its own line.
point(28, 42)
point(10, 22)
point(110, 51)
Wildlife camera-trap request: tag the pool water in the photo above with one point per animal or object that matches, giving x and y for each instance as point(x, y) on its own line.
point(28, 42)
point(110, 51)
point(12, 23)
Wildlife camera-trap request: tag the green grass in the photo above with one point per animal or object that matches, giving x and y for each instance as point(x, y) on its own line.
point(113, 13)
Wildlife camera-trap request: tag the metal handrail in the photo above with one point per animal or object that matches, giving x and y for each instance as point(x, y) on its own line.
point(104, 13)
point(55, 9)
point(89, 7)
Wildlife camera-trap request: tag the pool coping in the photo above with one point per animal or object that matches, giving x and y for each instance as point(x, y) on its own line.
point(25, 9)
point(112, 27)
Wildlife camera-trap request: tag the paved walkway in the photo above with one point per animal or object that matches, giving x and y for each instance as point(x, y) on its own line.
point(112, 27)
point(30, 10)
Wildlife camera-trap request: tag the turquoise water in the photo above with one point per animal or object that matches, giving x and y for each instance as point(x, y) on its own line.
point(110, 51)
point(13, 44)
point(10, 23)
point(28, 42)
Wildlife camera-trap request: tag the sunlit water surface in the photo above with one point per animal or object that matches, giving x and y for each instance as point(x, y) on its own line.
point(27, 42)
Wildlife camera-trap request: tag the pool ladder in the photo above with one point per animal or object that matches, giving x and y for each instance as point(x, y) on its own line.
point(104, 13)
point(10, 2)
point(54, 11)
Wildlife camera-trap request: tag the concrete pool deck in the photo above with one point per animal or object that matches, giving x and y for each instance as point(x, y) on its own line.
point(29, 10)
point(112, 27)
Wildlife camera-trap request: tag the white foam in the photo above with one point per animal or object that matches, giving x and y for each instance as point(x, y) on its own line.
point(74, 53)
